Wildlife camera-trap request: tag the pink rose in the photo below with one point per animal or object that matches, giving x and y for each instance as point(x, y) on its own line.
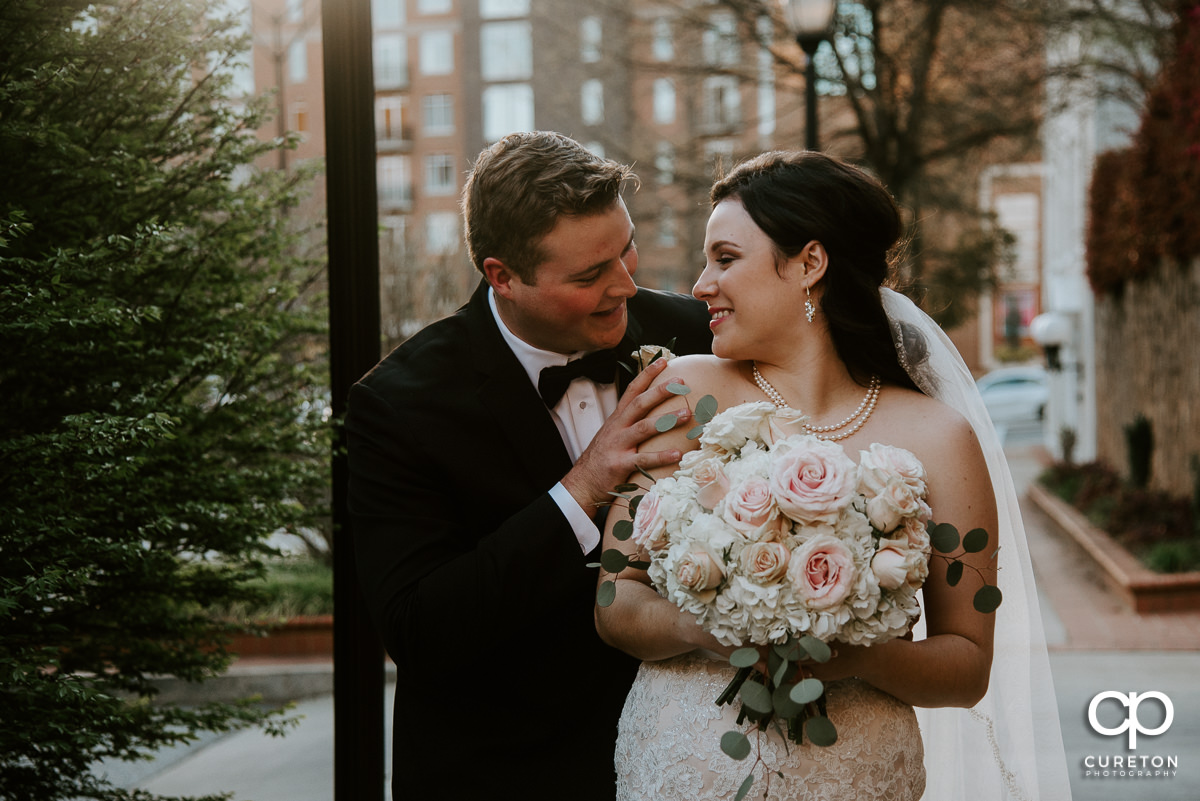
point(712, 483)
point(649, 523)
point(822, 572)
point(896, 564)
point(813, 482)
point(698, 571)
point(892, 504)
point(750, 506)
point(914, 531)
point(765, 562)
point(889, 567)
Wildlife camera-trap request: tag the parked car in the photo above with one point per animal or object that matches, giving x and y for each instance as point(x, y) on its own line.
point(1015, 394)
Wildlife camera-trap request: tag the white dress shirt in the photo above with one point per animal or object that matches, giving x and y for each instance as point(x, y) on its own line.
point(578, 415)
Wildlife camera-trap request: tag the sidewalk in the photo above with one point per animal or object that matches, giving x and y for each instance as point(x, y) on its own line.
point(1096, 644)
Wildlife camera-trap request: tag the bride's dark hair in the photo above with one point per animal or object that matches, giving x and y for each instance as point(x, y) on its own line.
point(796, 197)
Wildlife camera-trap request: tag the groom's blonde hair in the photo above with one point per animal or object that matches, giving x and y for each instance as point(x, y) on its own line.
point(521, 185)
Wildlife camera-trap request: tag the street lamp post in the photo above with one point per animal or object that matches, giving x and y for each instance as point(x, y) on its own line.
point(809, 22)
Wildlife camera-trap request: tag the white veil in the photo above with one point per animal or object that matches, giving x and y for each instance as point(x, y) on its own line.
point(1008, 747)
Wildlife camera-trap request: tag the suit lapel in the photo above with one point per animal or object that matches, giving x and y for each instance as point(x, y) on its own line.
point(506, 396)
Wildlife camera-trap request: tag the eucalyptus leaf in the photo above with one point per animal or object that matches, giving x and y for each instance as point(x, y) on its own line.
point(735, 745)
point(678, 389)
point(756, 697)
point(645, 473)
point(944, 537)
point(666, 422)
point(780, 673)
point(790, 650)
point(695, 432)
point(623, 530)
point(954, 573)
point(592, 564)
point(975, 540)
point(817, 649)
point(785, 707)
point(706, 408)
point(614, 561)
point(634, 504)
point(807, 691)
point(606, 593)
point(747, 783)
point(626, 488)
point(744, 657)
point(639, 564)
point(821, 731)
point(988, 599)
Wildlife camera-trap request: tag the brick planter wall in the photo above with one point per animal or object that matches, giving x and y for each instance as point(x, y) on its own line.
point(297, 637)
point(1148, 362)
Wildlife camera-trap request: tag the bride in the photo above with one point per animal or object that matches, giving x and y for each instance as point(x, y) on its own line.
point(797, 249)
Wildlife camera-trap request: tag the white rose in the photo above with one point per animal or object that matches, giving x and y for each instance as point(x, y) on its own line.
point(892, 503)
point(882, 464)
point(648, 353)
point(731, 429)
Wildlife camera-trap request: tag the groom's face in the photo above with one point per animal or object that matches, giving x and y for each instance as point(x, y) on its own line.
point(577, 300)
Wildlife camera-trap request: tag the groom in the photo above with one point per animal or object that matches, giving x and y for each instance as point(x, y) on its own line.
point(473, 492)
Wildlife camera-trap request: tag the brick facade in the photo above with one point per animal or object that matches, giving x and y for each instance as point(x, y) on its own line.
point(1147, 363)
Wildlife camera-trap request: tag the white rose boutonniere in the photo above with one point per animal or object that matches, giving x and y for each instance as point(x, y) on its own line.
point(643, 356)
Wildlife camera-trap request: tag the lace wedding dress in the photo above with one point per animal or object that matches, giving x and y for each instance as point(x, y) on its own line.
point(669, 743)
point(1008, 747)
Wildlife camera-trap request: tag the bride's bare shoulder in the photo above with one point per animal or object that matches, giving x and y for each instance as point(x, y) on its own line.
point(930, 428)
point(700, 371)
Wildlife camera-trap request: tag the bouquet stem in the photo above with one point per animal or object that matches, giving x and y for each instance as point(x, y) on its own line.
point(731, 690)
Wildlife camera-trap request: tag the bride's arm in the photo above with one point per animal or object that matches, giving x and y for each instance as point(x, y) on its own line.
point(951, 666)
point(639, 621)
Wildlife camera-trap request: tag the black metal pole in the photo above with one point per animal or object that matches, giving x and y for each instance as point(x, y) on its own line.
point(359, 766)
point(809, 44)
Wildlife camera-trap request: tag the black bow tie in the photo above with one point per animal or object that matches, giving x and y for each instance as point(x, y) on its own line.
point(600, 367)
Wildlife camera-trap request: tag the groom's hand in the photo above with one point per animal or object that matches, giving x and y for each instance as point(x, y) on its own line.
point(613, 453)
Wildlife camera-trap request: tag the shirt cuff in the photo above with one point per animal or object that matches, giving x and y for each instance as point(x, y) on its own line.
point(585, 530)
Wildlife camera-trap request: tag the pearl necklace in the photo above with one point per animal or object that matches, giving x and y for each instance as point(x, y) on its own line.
point(860, 414)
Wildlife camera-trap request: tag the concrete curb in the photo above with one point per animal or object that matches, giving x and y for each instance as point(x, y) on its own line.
point(1140, 588)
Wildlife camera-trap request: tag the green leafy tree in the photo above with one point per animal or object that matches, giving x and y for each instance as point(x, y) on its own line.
point(162, 380)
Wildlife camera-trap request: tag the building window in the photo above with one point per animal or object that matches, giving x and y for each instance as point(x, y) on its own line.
point(718, 153)
point(298, 116)
point(499, 9)
point(441, 233)
point(592, 102)
point(437, 53)
point(507, 108)
point(664, 43)
point(766, 78)
point(297, 59)
point(722, 101)
point(387, 13)
point(391, 119)
point(439, 175)
point(664, 163)
point(1017, 213)
point(664, 101)
point(505, 51)
point(434, 6)
point(439, 114)
point(668, 232)
point(590, 33)
point(719, 42)
point(394, 177)
point(391, 62)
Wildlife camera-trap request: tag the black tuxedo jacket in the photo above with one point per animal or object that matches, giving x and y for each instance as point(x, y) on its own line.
point(475, 578)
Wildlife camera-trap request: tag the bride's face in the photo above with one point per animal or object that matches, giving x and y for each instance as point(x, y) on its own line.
point(750, 302)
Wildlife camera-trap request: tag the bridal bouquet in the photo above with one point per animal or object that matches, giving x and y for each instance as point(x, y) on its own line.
point(773, 537)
